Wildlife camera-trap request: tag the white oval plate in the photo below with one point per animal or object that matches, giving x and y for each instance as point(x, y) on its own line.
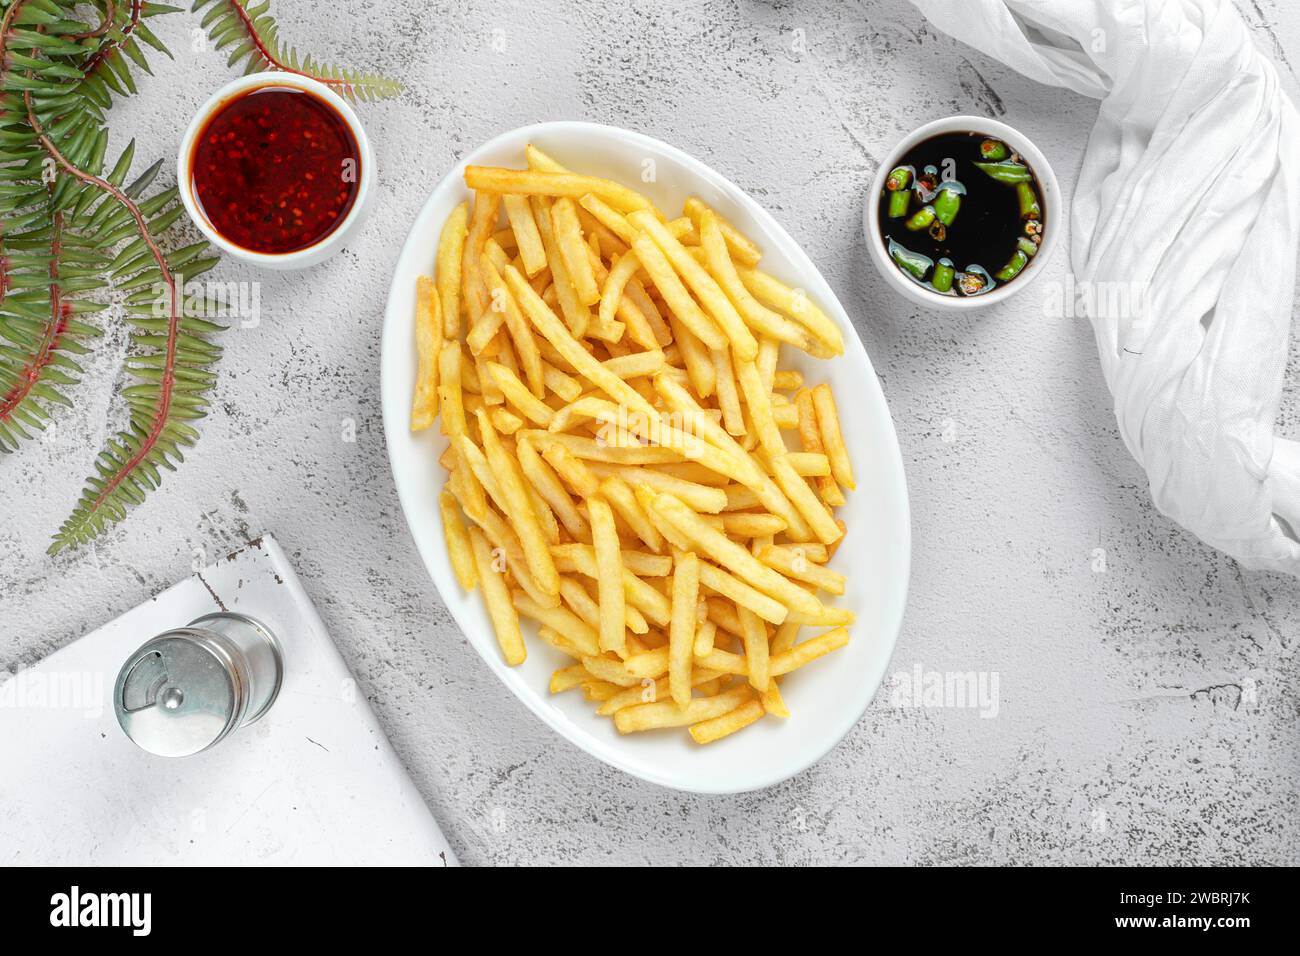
point(828, 696)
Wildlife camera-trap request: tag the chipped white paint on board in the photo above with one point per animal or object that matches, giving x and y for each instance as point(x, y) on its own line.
point(1146, 685)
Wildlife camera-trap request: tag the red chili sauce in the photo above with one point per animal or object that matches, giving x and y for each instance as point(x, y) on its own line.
point(275, 169)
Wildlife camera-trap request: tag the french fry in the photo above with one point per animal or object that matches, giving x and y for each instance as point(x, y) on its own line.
point(505, 622)
point(518, 395)
point(553, 330)
point(524, 228)
point(793, 564)
point(428, 347)
point(576, 315)
point(807, 503)
point(519, 508)
point(561, 620)
point(738, 244)
point(449, 390)
point(482, 221)
point(796, 304)
point(529, 355)
point(667, 714)
point(808, 651)
point(609, 575)
point(754, 633)
point(707, 731)
point(828, 422)
point(568, 237)
point(810, 437)
point(541, 476)
point(492, 179)
point(735, 558)
point(701, 283)
point(728, 396)
point(611, 295)
point(664, 276)
point(567, 678)
point(459, 549)
point(744, 595)
point(759, 318)
point(451, 246)
point(686, 589)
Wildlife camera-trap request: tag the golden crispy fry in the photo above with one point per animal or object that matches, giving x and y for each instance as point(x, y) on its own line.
point(524, 228)
point(459, 549)
point(796, 304)
point(666, 280)
point(561, 620)
point(738, 244)
point(536, 183)
point(428, 347)
point(609, 575)
point(449, 390)
point(808, 504)
point(828, 422)
point(686, 589)
point(808, 651)
point(791, 562)
point(482, 222)
point(568, 237)
point(451, 246)
point(754, 633)
point(505, 622)
point(667, 714)
point(519, 508)
point(707, 731)
point(728, 585)
point(701, 283)
point(734, 557)
point(567, 678)
point(811, 437)
point(553, 330)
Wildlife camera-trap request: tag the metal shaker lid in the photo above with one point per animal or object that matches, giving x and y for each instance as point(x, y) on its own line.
point(180, 693)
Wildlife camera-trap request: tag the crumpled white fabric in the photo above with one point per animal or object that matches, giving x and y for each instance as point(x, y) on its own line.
point(1191, 186)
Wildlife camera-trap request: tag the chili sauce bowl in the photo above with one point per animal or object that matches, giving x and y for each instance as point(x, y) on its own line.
point(255, 235)
point(1049, 199)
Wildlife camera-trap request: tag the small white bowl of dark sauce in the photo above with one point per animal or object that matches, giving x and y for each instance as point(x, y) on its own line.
point(950, 234)
point(275, 169)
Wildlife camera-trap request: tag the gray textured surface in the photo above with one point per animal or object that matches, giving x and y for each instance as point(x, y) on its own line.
point(1147, 712)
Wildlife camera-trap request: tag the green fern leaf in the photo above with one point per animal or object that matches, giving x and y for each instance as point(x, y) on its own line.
point(251, 33)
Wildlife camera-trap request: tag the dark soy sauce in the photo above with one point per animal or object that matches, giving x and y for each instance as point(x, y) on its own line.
point(988, 227)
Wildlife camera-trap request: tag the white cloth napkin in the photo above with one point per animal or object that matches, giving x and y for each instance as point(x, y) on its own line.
point(1190, 187)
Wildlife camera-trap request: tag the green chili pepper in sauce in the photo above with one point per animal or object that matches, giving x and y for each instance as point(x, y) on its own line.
point(921, 219)
point(913, 263)
point(948, 201)
point(900, 177)
point(1029, 208)
point(1012, 268)
point(943, 274)
point(898, 203)
point(1009, 173)
point(993, 149)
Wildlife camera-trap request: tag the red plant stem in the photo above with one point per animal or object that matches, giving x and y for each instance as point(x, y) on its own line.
point(101, 54)
point(270, 58)
point(173, 317)
point(110, 10)
point(49, 338)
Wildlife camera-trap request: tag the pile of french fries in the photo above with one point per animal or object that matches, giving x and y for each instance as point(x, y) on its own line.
point(608, 382)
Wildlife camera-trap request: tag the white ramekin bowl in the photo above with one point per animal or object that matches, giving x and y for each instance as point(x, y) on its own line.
point(1053, 213)
point(328, 244)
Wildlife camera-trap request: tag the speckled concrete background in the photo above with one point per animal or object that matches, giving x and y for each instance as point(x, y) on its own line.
point(1148, 705)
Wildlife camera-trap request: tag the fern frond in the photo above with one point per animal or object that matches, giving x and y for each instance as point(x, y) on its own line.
point(248, 31)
